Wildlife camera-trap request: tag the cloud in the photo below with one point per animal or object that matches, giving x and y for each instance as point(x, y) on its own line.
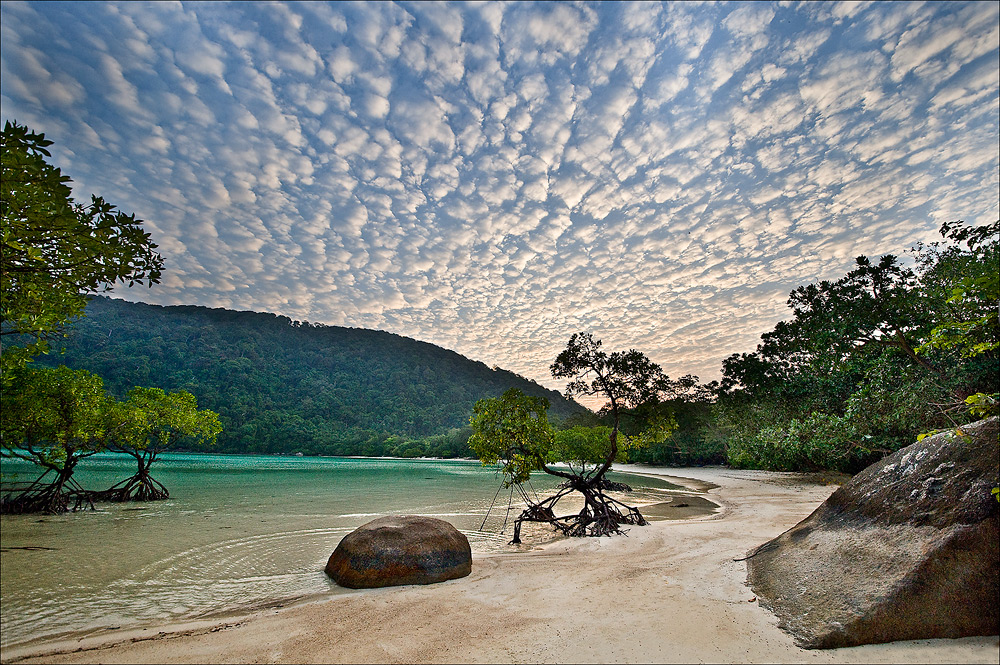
point(545, 34)
point(496, 177)
point(749, 20)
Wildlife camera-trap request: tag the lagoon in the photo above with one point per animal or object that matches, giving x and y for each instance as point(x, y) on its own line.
point(238, 531)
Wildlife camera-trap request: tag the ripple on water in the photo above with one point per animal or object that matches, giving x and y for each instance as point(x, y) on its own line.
point(232, 536)
point(198, 581)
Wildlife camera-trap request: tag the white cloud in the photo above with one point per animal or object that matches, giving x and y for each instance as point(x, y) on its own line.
point(544, 34)
point(689, 30)
point(749, 20)
point(844, 81)
point(341, 65)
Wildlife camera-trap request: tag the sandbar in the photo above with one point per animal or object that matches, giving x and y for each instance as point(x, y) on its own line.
point(669, 592)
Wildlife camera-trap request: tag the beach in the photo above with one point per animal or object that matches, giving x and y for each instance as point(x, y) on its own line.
point(667, 592)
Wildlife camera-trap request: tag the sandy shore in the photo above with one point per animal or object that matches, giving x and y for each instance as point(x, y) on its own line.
point(669, 592)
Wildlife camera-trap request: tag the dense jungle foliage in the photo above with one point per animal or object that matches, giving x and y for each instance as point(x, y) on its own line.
point(871, 361)
point(282, 386)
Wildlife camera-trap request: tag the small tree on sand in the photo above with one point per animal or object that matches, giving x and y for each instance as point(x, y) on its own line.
point(156, 421)
point(513, 431)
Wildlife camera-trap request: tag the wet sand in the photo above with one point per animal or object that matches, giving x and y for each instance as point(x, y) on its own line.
point(668, 592)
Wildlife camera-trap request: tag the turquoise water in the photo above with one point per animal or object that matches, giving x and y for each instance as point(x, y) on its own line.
point(237, 532)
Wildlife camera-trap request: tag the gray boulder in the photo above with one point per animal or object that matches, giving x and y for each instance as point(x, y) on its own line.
point(907, 549)
point(400, 549)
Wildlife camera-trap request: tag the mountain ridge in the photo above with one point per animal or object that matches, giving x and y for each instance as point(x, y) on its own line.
point(291, 386)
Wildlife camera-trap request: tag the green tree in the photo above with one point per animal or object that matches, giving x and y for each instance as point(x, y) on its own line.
point(513, 432)
point(582, 447)
point(627, 379)
point(869, 361)
point(674, 429)
point(876, 305)
point(53, 418)
point(972, 323)
point(153, 421)
point(53, 250)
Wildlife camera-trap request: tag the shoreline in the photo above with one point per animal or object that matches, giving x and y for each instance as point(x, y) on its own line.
point(667, 592)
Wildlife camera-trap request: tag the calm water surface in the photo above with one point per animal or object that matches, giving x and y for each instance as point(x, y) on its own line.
point(238, 531)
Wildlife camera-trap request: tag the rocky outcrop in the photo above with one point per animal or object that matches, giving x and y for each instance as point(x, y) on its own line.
point(907, 549)
point(400, 549)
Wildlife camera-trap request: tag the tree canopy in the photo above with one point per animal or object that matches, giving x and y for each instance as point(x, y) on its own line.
point(53, 418)
point(54, 250)
point(626, 379)
point(153, 422)
point(513, 432)
point(971, 280)
point(868, 362)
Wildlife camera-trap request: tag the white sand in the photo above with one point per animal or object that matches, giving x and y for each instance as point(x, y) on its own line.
point(669, 592)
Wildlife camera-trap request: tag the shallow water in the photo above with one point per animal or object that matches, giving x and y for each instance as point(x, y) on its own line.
point(237, 531)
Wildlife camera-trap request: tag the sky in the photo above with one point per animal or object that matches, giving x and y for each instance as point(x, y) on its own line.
point(495, 177)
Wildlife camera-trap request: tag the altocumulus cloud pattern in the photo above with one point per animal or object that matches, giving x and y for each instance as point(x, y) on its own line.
point(494, 177)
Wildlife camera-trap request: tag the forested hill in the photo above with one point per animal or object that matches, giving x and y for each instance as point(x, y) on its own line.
point(284, 386)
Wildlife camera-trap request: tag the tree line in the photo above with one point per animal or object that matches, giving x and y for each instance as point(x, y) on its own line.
point(869, 362)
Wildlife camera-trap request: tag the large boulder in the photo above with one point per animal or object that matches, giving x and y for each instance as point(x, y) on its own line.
point(400, 549)
point(907, 549)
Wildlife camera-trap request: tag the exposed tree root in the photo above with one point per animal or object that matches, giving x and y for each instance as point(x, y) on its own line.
point(52, 498)
point(601, 515)
point(140, 487)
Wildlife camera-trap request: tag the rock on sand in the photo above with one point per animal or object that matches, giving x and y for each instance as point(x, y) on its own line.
point(908, 549)
point(398, 550)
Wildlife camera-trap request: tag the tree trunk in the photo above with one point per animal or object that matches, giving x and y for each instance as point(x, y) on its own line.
point(52, 498)
point(904, 345)
point(139, 487)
